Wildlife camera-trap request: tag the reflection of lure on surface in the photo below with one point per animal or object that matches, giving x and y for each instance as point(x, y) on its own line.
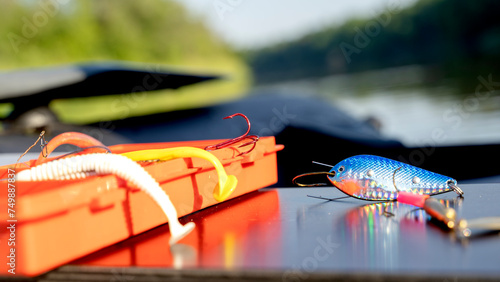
point(376, 178)
point(374, 216)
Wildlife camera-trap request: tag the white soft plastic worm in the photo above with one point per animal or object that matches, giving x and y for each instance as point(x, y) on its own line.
point(82, 166)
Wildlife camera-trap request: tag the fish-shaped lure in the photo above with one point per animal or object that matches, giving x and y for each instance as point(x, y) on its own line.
point(376, 178)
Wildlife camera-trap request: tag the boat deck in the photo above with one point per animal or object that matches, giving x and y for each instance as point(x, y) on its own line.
point(283, 235)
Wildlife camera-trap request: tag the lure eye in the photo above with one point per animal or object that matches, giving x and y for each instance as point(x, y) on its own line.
point(341, 169)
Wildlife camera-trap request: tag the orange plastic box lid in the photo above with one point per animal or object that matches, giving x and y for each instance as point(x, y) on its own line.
point(56, 222)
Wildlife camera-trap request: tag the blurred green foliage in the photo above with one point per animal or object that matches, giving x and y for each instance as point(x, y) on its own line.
point(54, 32)
point(455, 37)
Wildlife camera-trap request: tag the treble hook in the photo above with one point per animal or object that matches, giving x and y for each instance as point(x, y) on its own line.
point(227, 143)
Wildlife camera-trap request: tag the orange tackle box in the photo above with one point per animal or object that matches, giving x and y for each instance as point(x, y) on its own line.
point(57, 222)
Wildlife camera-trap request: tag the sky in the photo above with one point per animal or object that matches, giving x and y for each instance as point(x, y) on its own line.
point(247, 24)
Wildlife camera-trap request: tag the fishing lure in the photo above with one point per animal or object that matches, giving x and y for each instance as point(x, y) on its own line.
point(375, 178)
point(77, 167)
point(448, 216)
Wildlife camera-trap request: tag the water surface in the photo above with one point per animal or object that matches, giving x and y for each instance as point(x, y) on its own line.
point(410, 106)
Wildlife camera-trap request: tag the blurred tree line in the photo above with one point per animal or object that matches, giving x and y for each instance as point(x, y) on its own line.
point(53, 32)
point(456, 37)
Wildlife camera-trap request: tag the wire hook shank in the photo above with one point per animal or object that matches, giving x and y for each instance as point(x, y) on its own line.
point(294, 180)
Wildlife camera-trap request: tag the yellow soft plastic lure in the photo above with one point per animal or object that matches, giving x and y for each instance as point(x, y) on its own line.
point(226, 183)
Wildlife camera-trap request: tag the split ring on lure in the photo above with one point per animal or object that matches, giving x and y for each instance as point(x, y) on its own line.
point(376, 178)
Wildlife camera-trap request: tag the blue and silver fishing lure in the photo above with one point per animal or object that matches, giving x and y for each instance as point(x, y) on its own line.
point(376, 178)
